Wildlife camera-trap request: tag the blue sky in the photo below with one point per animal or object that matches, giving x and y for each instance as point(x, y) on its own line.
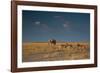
point(40, 26)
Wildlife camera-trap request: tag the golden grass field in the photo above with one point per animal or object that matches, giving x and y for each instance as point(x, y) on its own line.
point(41, 51)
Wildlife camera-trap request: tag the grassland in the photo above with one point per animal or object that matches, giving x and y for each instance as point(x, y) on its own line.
point(41, 51)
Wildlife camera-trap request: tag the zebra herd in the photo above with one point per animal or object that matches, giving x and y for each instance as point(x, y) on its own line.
point(53, 42)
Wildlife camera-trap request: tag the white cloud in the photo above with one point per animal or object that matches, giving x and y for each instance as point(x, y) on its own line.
point(65, 25)
point(37, 22)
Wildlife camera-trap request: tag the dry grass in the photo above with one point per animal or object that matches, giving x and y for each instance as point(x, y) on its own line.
point(43, 52)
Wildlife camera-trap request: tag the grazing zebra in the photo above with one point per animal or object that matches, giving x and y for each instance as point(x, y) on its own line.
point(63, 45)
point(69, 44)
point(52, 42)
point(83, 45)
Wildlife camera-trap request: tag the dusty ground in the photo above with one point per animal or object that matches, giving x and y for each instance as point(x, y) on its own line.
point(40, 51)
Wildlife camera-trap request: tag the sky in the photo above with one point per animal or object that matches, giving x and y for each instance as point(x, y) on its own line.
point(40, 26)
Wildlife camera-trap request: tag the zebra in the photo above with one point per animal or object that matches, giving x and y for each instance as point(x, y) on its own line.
point(52, 42)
